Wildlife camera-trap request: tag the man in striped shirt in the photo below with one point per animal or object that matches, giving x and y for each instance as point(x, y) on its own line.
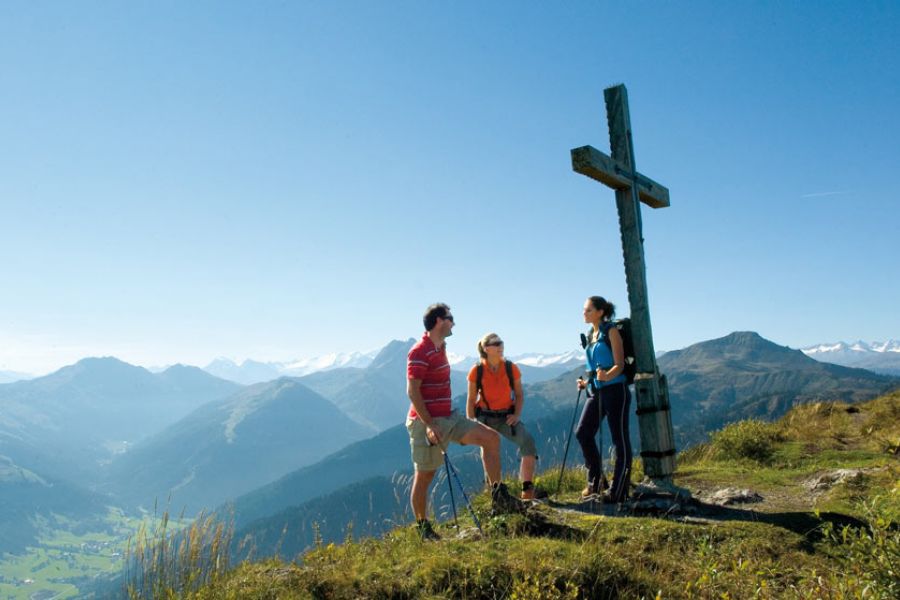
point(432, 424)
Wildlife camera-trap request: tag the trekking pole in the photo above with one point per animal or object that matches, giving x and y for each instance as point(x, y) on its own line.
point(569, 439)
point(450, 485)
point(465, 496)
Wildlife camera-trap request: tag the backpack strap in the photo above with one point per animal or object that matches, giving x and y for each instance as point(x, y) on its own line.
point(479, 375)
point(511, 380)
point(604, 332)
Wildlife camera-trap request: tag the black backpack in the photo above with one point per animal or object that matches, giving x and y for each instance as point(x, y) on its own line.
point(479, 374)
point(624, 327)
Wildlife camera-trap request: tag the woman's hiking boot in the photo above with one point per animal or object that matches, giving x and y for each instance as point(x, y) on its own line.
point(594, 490)
point(502, 502)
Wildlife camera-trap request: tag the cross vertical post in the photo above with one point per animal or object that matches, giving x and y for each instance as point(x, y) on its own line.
point(619, 172)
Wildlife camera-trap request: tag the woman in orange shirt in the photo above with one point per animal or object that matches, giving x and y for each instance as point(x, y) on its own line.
point(496, 400)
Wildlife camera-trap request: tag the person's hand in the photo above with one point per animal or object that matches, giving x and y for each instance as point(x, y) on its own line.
point(602, 375)
point(512, 420)
point(433, 433)
point(581, 383)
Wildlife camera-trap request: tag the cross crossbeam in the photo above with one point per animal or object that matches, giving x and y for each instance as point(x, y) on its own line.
point(589, 161)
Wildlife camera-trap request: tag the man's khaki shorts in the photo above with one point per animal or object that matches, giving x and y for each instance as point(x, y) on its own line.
point(427, 457)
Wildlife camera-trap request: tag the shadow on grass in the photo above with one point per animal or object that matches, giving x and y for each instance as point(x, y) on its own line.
point(807, 524)
point(535, 523)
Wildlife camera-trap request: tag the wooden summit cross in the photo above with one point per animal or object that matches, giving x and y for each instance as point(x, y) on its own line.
point(619, 172)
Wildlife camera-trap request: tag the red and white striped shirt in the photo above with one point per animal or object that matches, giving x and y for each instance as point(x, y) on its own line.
point(429, 364)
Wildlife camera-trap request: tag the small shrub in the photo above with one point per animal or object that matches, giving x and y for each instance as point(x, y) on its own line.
point(870, 555)
point(750, 439)
point(544, 586)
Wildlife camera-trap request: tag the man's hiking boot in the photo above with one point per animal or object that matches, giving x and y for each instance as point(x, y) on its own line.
point(502, 502)
point(426, 531)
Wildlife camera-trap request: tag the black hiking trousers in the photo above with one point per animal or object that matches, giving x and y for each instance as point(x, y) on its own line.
point(613, 402)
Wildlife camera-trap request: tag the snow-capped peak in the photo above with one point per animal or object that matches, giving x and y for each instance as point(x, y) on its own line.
point(856, 348)
point(543, 360)
point(888, 346)
point(460, 359)
point(332, 360)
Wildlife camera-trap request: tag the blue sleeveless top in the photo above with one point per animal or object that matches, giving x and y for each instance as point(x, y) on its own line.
point(600, 355)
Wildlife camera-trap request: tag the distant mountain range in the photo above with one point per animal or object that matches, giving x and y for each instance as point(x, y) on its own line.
point(251, 371)
point(66, 425)
point(880, 357)
point(537, 366)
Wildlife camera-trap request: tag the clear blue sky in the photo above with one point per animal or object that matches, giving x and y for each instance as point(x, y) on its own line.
point(181, 181)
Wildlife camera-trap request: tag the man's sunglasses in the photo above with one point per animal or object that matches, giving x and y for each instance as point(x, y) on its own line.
point(495, 343)
point(448, 318)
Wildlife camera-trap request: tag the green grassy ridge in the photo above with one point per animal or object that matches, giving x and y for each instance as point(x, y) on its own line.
point(795, 551)
point(606, 558)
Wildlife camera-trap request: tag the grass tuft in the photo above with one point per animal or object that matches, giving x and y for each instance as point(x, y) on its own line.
point(750, 439)
point(164, 564)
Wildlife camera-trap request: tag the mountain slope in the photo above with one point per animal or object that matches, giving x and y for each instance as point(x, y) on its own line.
point(67, 424)
point(386, 456)
point(229, 447)
point(30, 500)
point(11, 376)
point(743, 375)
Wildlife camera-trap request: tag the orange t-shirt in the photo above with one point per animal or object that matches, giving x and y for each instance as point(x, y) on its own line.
point(497, 389)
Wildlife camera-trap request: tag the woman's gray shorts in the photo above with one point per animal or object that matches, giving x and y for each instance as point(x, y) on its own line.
point(522, 438)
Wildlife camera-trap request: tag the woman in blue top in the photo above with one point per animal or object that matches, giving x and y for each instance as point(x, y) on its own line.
point(608, 396)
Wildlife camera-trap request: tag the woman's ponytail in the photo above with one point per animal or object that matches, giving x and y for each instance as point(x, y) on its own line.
point(608, 308)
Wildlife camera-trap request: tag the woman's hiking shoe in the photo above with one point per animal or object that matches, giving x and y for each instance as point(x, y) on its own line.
point(502, 502)
point(426, 531)
point(594, 490)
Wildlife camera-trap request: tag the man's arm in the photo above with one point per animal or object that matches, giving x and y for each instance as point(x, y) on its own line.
point(414, 391)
